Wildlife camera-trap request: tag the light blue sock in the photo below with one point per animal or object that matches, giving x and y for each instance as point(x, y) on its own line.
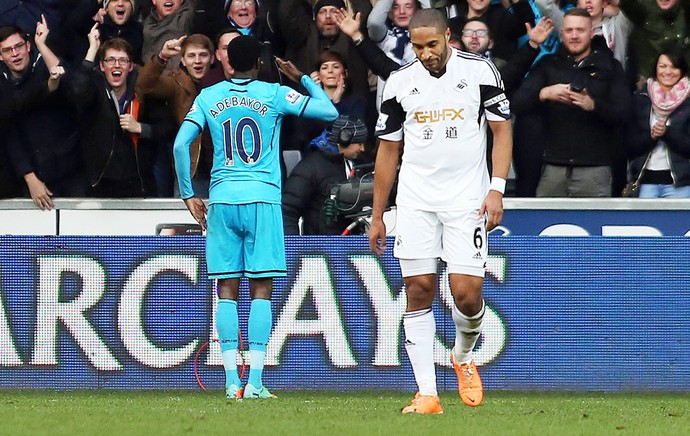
point(227, 325)
point(260, 323)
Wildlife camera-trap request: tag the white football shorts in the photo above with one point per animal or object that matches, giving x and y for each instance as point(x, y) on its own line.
point(457, 237)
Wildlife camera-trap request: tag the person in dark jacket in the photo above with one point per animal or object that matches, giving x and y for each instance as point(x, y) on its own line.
point(116, 19)
point(10, 185)
point(583, 100)
point(309, 185)
point(249, 17)
point(43, 144)
point(659, 136)
point(116, 134)
point(656, 25)
point(307, 37)
point(332, 74)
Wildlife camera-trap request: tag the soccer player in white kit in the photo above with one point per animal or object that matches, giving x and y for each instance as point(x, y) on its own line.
point(439, 105)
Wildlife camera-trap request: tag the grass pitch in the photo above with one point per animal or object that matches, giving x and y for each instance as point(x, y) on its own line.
point(337, 413)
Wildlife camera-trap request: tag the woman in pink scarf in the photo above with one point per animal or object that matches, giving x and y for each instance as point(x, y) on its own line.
point(659, 137)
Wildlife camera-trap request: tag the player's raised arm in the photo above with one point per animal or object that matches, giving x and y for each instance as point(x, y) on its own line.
point(319, 105)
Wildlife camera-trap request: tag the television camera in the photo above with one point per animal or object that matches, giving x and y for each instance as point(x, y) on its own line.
point(352, 199)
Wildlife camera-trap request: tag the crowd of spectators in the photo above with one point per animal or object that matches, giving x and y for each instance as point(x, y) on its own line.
point(93, 91)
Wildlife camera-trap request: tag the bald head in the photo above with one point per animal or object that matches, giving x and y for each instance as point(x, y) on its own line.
point(429, 18)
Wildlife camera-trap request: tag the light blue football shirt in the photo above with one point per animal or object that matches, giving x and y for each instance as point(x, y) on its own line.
point(244, 117)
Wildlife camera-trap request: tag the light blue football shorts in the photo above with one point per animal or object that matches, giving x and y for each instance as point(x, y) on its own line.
point(245, 240)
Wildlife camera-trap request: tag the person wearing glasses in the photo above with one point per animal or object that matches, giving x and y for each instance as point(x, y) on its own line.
point(116, 131)
point(505, 20)
point(476, 37)
point(43, 142)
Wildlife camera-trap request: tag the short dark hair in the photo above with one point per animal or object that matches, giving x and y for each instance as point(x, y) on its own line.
point(578, 12)
point(116, 44)
point(480, 20)
point(677, 59)
point(243, 53)
point(330, 56)
point(7, 31)
point(429, 18)
point(224, 31)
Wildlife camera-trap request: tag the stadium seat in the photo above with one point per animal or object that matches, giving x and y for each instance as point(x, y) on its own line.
point(291, 158)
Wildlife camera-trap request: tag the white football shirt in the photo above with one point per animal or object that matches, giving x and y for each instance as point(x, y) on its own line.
point(442, 121)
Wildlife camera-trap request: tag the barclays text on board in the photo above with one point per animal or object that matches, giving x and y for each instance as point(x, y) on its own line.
point(132, 312)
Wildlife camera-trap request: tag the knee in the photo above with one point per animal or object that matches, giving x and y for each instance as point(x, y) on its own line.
point(228, 289)
point(420, 296)
point(469, 303)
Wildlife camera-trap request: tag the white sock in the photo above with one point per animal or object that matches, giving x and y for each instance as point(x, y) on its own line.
point(467, 331)
point(420, 331)
point(230, 360)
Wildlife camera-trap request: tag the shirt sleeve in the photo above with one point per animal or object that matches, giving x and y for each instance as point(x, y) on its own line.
point(493, 96)
point(317, 105)
point(389, 125)
point(196, 114)
point(192, 125)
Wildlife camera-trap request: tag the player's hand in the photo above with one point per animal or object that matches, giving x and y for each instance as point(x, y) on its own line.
point(492, 208)
point(377, 236)
point(42, 32)
point(197, 208)
point(349, 24)
point(40, 194)
point(129, 124)
point(289, 69)
point(172, 47)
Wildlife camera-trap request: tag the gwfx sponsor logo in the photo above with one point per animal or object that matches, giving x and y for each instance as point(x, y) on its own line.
point(434, 116)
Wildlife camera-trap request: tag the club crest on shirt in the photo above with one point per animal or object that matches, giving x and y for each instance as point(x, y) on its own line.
point(381, 122)
point(293, 97)
point(504, 107)
point(461, 86)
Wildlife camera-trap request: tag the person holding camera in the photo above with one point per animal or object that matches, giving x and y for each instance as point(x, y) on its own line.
point(307, 191)
point(582, 100)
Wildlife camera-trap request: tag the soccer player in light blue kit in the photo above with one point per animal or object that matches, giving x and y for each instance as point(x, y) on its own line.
point(245, 224)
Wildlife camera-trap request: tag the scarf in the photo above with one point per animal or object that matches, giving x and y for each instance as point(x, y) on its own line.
point(402, 37)
point(663, 103)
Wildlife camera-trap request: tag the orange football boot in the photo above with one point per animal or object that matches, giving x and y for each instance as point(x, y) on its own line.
point(469, 383)
point(425, 405)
